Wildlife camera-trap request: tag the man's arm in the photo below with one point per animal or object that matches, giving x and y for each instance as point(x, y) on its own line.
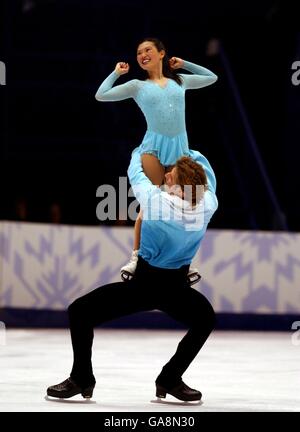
point(211, 178)
point(210, 198)
point(142, 187)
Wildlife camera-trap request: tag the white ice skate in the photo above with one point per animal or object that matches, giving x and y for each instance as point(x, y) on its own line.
point(128, 270)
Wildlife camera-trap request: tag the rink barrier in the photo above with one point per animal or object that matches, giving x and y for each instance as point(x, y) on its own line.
point(34, 318)
point(44, 267)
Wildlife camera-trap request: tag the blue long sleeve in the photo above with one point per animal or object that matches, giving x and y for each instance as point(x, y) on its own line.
point(107, 93)
point(201, 76)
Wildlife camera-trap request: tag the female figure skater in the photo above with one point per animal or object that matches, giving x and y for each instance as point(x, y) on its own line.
point(161, 99)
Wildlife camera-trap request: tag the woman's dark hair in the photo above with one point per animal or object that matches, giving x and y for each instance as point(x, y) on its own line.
point(166, 68)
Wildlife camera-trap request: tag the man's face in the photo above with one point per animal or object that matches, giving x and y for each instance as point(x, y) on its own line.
point(170, 177)
point(171, 182)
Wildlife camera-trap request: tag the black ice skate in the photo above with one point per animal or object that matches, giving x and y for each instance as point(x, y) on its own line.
point(69, 388)
point(181, 392)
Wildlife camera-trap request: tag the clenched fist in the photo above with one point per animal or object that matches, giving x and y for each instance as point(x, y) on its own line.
point(176, 63)
point(121, 68)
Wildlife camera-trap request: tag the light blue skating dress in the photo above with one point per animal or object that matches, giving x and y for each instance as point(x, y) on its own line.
point(163, 108)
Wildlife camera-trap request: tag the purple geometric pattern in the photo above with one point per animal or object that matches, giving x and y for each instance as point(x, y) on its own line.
point(248, 271)
point(48, 266)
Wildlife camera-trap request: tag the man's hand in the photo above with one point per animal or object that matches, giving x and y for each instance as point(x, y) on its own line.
point(122, 68)
point(176, 63)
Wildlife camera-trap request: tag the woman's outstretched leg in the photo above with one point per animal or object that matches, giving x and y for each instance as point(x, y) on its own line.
point(137, 231)
point(128, 270)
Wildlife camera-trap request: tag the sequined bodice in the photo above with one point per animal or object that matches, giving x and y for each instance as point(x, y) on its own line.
point(163, 107)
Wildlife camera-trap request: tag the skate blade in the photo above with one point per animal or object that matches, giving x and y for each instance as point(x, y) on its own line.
point(69, 400)
point(182, 403)
point(126, 276)
point(194, 278)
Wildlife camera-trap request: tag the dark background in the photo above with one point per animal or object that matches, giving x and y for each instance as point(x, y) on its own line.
point(58, 144)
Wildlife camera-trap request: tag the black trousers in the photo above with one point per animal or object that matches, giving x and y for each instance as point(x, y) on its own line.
point(151, 288)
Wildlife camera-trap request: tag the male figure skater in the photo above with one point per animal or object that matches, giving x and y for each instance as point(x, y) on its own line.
point(174, 223)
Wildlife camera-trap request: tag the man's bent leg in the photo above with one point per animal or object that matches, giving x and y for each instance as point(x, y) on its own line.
point(191, 308)
point(103, 304)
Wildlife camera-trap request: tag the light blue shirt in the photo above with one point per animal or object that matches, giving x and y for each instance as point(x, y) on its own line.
point(172, 230)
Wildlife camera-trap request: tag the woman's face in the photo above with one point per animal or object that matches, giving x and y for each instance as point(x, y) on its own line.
point(148, 56)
